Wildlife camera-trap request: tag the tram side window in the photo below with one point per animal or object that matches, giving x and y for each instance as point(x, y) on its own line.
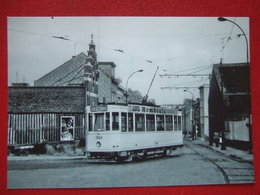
point(115, 121)
point(90, 120)
point(108, 121)
point(99, 122)
point(175, 123)
point(139, 122)
point(169, 123)
point(130, 122)
point(160, 122)
point(179, 123)
point(150, 122)
point(123, 122)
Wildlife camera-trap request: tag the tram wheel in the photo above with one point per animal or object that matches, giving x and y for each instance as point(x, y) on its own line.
point(119, 159)
point(164, 153)
point(145, 155)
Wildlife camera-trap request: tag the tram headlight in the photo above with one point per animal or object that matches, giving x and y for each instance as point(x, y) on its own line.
point(98, 144)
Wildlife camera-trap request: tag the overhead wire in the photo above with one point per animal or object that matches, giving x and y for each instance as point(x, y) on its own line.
point(228, 39)
point(193, 82)
point(68, 81)
point(66, 75)
point(58, 26)
point(76, 75)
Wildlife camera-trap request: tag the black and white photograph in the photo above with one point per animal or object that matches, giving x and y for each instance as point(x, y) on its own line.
point(108, 102)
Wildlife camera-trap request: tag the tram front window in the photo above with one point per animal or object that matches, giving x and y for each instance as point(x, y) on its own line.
point(115, 121)
point(99, 122)
point(90, 122)
point(107, 121)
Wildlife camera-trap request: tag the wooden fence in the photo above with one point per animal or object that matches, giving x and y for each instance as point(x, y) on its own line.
point(36, 128)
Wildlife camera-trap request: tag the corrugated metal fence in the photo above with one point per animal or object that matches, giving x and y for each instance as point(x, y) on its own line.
point(35, 128)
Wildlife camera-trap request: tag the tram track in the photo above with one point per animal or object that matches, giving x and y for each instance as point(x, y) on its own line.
point(208, 159)
point(233, 171)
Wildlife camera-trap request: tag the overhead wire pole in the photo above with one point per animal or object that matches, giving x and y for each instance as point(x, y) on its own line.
point(184, 87)
point(185, 75)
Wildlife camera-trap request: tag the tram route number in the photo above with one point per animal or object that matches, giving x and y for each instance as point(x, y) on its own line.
point(99, 137)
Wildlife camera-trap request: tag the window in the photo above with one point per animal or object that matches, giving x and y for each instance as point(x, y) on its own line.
point(90, 122)
point(130, 122)
point(179, 123)
point(115, 121)
point(169, 123)
point(99, 122)
point(150, 122)
point(108, 121)
point(160, 122)
point(175, 123)
point(139, 122)
point(123, 122)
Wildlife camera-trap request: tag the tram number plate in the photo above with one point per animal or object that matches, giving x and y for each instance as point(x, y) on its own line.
point(99, 137)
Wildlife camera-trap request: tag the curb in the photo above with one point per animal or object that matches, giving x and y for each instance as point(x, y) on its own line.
point(234, 157)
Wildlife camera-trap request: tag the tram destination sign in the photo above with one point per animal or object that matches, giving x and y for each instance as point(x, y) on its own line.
point(98, 108)
point(148, 109)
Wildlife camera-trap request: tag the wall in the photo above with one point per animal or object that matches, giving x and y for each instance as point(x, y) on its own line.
point(204, 113)
point(104, 87)
point(238, 130)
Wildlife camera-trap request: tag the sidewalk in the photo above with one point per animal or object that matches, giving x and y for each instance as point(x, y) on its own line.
point(234, 153)
point(45, 157)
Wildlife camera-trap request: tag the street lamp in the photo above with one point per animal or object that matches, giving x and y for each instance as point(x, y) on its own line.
point(128, 79)
point(192, 114)
point(221, 19)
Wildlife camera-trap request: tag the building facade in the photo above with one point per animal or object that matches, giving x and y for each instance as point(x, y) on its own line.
point(204, 112)
point(230, 105)
point(187, 114)
point(45, 114)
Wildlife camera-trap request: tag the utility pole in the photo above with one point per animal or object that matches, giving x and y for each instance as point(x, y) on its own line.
point(223, 144)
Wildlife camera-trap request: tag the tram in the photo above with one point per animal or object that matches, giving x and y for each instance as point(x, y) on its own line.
point(121, 132)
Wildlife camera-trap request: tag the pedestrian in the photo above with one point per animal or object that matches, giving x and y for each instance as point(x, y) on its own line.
point(216, 139)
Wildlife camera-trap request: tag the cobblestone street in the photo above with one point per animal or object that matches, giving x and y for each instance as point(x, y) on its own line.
point(191, 165)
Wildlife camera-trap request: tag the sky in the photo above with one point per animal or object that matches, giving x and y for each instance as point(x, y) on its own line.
point(177, 45)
